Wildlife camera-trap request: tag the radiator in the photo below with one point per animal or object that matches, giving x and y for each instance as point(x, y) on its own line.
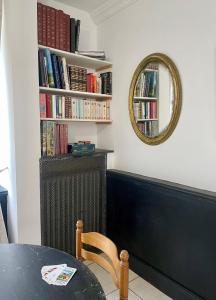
point(71, 189)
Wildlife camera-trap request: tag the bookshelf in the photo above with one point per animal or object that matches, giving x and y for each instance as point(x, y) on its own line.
point(65, 78)
point(146, 101)
point(80, 60)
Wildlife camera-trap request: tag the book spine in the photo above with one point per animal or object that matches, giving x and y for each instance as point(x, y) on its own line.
point(67, 40)
point(61, 30)
point(55, 71)
point(73, 108)
point(57, 107)
point(44, 25)
point(54, 106)
point(66, 138)
point(77, 35)
point(49, 68)
point(48, 26)
point(48, 110)
point(41, 69)
point(43, 138)
point(57, 26)
point(61, 72)
point(42, 105)
point(63, 107)
point(65, 73)
point(57, 150)
point(39, 23)
point(53, 27)
point(72, 34)
point(61, 139)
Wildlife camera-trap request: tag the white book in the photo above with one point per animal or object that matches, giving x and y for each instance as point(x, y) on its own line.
point(65, 73)
point(54, 106)
point(74, 116)
point(63, 107)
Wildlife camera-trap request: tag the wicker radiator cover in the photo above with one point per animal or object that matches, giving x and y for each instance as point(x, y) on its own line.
point(71, 188)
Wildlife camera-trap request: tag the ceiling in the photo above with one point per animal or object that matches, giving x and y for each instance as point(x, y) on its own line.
point(87, 5)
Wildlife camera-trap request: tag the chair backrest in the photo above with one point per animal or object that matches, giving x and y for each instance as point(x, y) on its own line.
point(117, 268)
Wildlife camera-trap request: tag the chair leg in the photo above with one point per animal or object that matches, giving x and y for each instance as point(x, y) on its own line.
point(79, 230)
point(124, 266)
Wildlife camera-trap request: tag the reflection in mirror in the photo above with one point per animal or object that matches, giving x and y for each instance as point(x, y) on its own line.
point(153, 99)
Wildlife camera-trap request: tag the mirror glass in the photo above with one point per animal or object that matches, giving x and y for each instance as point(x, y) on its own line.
point(155, 98)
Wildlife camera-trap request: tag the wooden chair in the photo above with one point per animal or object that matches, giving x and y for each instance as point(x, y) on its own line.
point(117, 268)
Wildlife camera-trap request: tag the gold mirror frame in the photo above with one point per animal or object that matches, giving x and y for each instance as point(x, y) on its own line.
point(177, 88)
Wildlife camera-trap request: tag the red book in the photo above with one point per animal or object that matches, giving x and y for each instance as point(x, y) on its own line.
point(48, 26)
point(53, 27)
point(61, 31)
point(65, 138)
point(94, 83)
point(57, 29)
point(61, 138)
point(39, 23)
point(67, 46)
point(42, 105)
point(90, 82)
point(48, 108)
point(44, 25)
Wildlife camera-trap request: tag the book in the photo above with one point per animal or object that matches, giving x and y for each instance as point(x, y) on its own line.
point(44, 25)
point(56, 72)
point(94, 54)
point(77, 35)
point(68, 36)
point(49, 68)
point(72, 35)
point(48, 108)
point(43, 126)
point(43, 106)
point(57, 24)
point(39, 22)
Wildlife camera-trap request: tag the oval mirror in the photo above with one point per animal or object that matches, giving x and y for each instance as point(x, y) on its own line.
point(155, 98)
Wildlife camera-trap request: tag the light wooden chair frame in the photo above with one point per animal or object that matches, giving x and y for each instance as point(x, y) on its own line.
point(117, 268)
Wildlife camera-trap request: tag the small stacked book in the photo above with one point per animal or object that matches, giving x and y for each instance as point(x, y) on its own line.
point(94, 54)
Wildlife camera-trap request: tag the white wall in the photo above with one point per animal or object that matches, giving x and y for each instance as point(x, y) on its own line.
point(19, 53)
point(20, 56)
point(185, 31)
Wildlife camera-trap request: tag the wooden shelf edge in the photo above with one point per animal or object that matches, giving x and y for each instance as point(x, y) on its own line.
point(78, 94)
point(77, 120)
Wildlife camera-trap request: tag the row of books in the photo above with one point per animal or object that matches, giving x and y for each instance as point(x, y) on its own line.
point(146, 85)
point(54, 138)
point(59, 107)
point(145, 110)
point(54, 72)
point(99, 83)
point(149, 129)
point(56, 29)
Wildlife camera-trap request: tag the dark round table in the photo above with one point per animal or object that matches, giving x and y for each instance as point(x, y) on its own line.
point(20, 275)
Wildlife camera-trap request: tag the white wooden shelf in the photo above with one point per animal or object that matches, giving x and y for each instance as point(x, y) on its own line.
point(77, 120)
point(146, 98)
point(80, 60)
point(63, 92)
point(146, 120)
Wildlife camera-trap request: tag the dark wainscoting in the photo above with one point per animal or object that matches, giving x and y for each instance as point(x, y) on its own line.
point(169, 230)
